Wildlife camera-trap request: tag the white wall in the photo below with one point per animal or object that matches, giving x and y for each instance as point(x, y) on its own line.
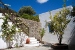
point(69, 35)
point(48, 37)
point(2, 43)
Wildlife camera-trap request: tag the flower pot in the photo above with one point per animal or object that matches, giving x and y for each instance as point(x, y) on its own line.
point(59, 46)
point(27, 41)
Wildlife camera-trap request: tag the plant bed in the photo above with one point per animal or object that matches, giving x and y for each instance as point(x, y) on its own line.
point(9, 47)
point(59, 46)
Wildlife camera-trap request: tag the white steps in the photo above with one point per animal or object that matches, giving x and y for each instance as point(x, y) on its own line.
point(28, 45)
point(31, 37)
point(33, 42)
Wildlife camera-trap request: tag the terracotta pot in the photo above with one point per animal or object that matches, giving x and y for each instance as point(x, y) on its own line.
point(27, 41)
point(59, 46)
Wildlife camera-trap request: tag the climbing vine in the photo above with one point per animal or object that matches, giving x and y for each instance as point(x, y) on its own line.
point(8, 31)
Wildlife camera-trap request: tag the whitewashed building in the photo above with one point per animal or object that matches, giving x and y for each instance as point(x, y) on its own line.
point(69, 31)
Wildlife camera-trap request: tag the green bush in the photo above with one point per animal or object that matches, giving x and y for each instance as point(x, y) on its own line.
point(30, 17)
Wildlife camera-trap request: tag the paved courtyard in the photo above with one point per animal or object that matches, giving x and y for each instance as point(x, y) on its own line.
point(31, 48)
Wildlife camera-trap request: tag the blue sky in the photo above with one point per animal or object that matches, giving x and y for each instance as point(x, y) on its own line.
point(40, 6)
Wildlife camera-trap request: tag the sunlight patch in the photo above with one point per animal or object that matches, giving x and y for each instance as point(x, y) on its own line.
point(42, 1)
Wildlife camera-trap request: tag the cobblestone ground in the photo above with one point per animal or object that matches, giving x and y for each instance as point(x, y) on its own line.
point(31, 48)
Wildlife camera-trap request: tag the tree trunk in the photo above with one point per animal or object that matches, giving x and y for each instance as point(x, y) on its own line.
point(60, 39)
point(8, 44)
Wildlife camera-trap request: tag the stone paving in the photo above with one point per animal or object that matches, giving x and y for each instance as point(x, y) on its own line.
point(31, 48)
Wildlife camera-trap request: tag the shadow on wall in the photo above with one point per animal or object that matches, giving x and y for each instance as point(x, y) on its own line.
point(72, 39)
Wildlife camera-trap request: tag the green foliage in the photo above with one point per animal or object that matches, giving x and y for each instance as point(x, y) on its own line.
point(59, 20)
point(42, 33)
point(26, 16)
point(30, 17)
point(26, 10)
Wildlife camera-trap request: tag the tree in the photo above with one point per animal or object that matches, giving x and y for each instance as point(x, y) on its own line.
point(26, 10)
point(59, 22)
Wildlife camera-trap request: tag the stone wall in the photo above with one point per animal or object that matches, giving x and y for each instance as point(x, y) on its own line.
point(34, 28)
point(29, 27)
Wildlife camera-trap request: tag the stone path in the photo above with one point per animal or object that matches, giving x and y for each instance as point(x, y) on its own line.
point(31, 48)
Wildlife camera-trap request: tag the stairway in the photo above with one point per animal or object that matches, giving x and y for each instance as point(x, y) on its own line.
point(33, 42)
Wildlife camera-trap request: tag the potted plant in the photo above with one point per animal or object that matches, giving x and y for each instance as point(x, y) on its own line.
point(59, 22)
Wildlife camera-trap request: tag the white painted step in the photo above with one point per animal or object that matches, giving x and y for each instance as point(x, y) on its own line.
point(31, 38)
point(28, 45)
point(35, 42)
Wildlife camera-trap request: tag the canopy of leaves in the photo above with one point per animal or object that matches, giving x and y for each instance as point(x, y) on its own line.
point(59, 21)
point(26, 10)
